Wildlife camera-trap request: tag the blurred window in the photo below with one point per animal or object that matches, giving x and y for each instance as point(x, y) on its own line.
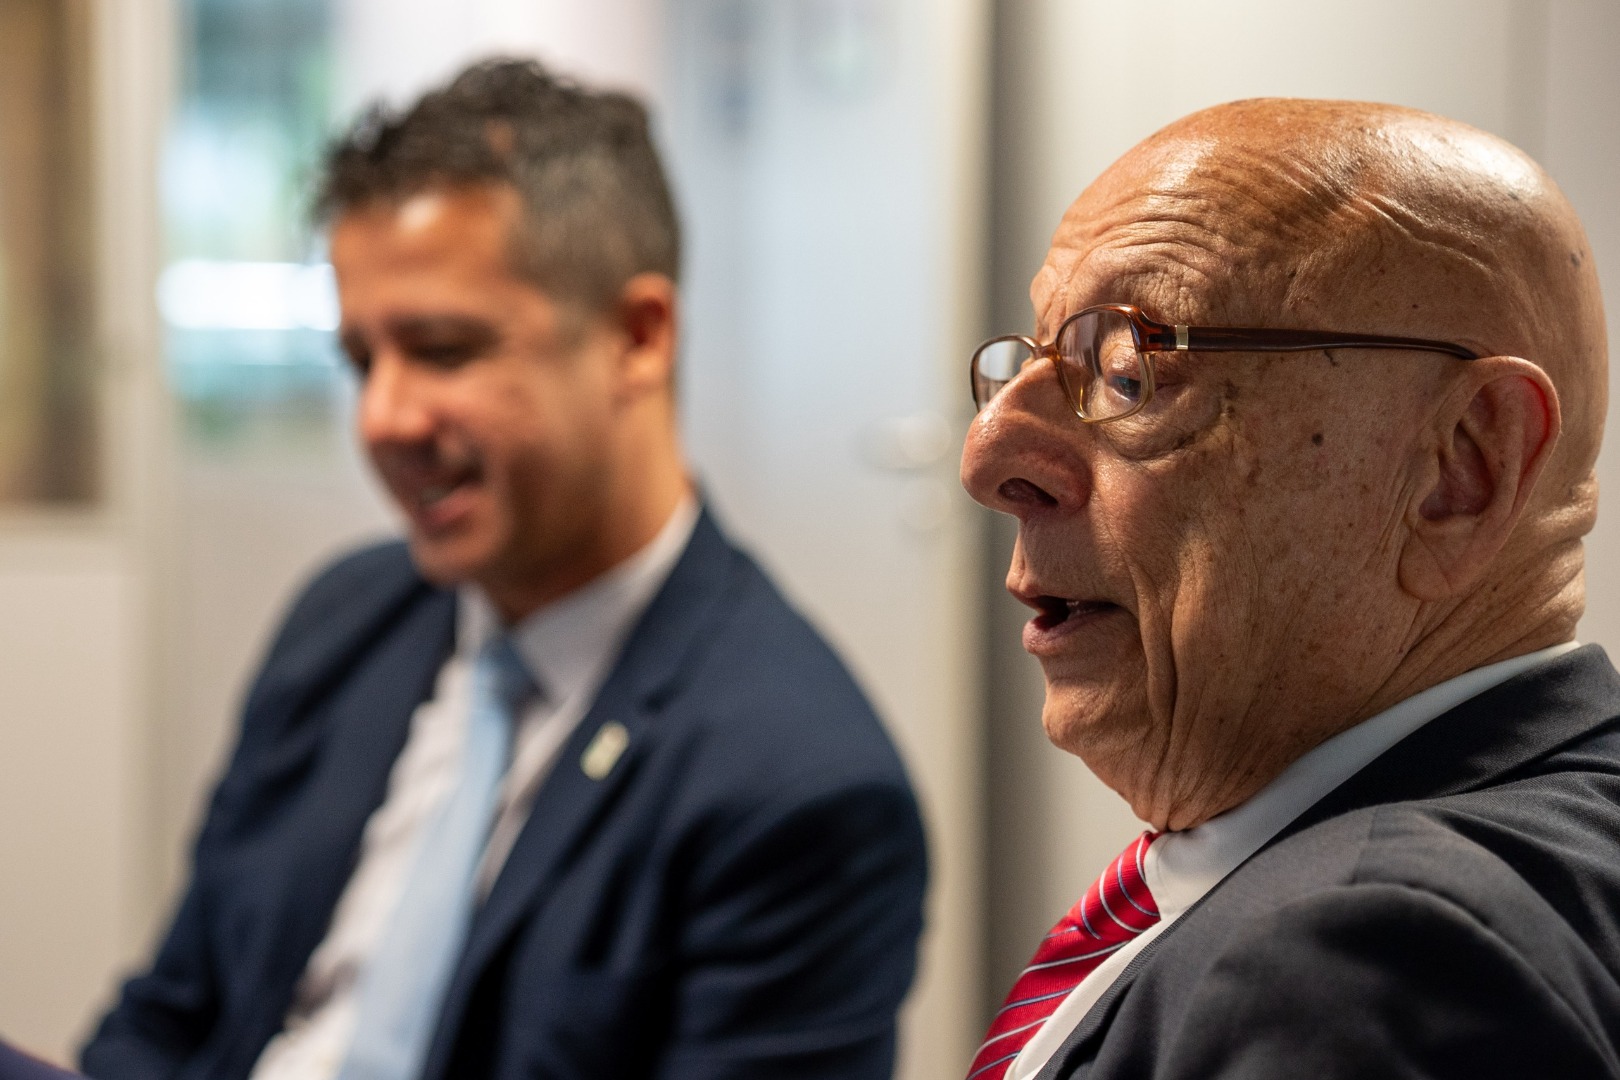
point(48, 413)
point(246, 296)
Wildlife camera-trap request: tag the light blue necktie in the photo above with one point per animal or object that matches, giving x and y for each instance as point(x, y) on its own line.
point(403, 983)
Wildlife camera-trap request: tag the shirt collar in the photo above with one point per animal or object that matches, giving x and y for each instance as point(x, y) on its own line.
point(1182, 866)
point(570, 644)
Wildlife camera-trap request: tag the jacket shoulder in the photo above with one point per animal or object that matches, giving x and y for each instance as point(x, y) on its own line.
point(345, 610)
point(1382, 977)
point(777, 749)
point(769, 679)
point(1538, 856)
point(345, 603)
point(1301, 961)
point(353, 583)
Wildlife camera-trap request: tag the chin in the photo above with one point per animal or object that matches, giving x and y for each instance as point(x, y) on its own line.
point(1071, 719)
point(1103, 724)
point(448, 561)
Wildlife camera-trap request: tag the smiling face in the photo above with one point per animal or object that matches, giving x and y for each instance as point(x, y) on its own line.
point(1217, 579)
point(499, 420)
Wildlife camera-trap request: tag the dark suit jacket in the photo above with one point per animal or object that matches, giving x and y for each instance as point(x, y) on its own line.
point(739, 897)
point(1453, 910)
point(16, 1065)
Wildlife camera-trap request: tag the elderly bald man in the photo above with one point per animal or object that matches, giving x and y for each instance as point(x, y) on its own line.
point(1302, 454)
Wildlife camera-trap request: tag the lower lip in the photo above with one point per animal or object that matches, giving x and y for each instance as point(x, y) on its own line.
point(1042, 639)
point(445, 513)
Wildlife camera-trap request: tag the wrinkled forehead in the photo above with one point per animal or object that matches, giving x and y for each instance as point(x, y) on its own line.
point(1337, 214)
point(1193, 230)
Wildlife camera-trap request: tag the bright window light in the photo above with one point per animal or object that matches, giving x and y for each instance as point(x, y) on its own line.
point(207, 294)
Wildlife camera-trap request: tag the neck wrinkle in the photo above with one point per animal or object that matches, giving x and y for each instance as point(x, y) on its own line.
point(1526, 605)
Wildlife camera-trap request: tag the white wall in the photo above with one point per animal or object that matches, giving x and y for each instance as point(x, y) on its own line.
point(1079, 82)
point(68, 666)
point(397, 48)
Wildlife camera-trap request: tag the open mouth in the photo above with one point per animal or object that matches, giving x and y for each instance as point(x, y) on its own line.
point(426, 496)
point(1054, 611)
point(431, 495)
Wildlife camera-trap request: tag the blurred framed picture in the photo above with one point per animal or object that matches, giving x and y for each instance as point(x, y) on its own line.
point(48, 407)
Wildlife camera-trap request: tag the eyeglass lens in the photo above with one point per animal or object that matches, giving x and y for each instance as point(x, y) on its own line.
point(1099, 367)
point(995, 365)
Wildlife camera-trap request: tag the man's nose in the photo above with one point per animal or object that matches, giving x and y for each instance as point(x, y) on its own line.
point(393, 407)
point(1027, 453)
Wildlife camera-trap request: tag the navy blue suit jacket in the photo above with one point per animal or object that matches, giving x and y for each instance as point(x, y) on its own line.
point(1451, 911)
point(738, 897)
point(16, 1065)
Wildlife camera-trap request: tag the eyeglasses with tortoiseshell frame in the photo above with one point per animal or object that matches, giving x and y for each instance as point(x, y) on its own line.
point(1104, 355)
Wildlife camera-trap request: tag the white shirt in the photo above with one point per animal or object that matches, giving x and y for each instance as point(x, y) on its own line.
point(1181, 867)
point(569, 647)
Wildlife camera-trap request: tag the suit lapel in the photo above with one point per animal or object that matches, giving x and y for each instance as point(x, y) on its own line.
point(1081, 1043)
point(564, 808)
point(1482, 740)
point(589, 773)
point(369, 722)
point(1477, 743)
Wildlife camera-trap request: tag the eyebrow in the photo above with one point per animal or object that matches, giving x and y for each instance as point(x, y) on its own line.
point(418, 326)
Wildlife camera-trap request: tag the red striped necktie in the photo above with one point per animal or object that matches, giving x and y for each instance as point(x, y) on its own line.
point(1116, 908)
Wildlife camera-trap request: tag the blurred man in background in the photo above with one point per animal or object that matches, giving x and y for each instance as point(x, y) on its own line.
point(1301, 457)
point(565, 789)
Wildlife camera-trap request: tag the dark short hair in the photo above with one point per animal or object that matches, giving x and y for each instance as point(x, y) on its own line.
point(597, 208)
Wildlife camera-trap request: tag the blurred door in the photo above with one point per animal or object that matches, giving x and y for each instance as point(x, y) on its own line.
point(829, 162)
point(77, 115)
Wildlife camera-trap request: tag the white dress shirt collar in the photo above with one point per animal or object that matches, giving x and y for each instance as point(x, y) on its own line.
point(570, 644)
point(1181, 867)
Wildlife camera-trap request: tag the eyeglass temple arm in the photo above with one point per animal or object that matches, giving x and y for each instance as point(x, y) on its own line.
point(1235, 339)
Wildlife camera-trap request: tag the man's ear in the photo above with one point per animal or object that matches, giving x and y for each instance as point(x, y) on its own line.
point(1495, 435)
point(647, 316)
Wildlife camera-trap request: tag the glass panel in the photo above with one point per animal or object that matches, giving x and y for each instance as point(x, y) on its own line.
point(48, 445)
point(268, 483)
point(247, 297)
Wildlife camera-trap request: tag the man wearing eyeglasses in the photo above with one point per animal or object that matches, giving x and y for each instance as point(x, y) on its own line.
point(1302, 454)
